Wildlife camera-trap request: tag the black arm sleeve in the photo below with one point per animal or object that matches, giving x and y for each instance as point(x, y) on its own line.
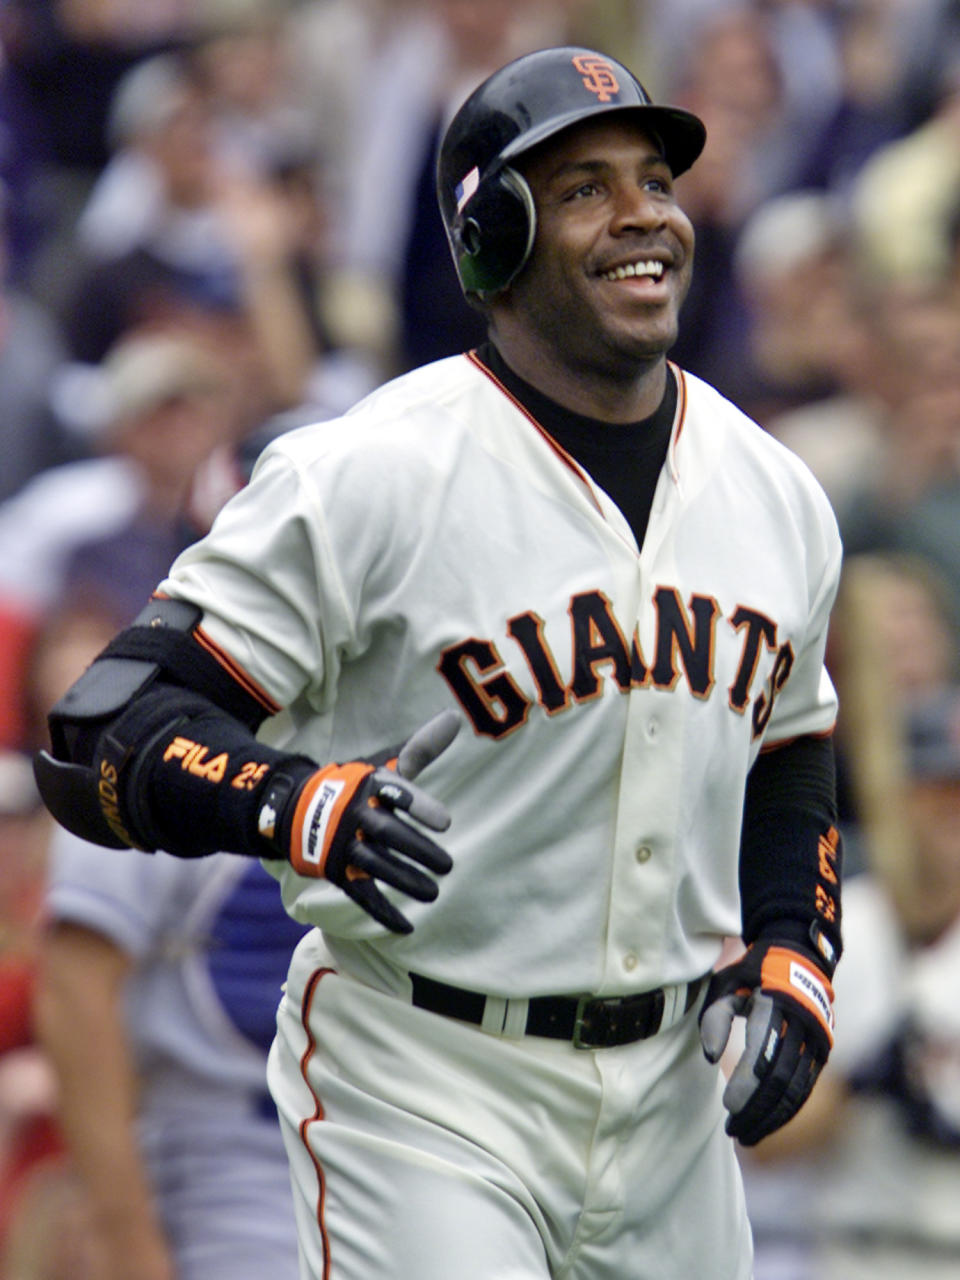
point(197, 784)
point(790, 849)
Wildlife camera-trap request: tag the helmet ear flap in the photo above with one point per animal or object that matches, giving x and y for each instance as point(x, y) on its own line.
point(493, 234)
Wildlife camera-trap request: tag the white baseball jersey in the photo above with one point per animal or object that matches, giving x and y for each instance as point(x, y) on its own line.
point(435, 548)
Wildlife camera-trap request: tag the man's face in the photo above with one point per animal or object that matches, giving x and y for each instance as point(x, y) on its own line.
point(933, 808)
point(613, 254)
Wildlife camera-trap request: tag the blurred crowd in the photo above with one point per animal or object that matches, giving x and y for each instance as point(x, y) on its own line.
point(217, 221)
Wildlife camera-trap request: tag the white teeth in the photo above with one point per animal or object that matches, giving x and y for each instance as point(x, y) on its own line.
point(651, 268)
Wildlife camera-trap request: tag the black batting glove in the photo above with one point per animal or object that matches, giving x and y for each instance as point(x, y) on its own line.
point(344, 823)
point(783, 990)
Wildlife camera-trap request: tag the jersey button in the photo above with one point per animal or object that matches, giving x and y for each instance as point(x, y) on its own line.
point(643, 853)
point(630, 962)
point(652, 729)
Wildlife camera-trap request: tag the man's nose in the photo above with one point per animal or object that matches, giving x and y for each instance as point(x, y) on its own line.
point(637, 207)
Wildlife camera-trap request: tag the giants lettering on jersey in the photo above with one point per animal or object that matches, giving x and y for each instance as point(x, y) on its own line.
point(685, 648)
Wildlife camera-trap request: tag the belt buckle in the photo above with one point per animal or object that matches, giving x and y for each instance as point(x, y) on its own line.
point(580, 1027)
point(621, 1030)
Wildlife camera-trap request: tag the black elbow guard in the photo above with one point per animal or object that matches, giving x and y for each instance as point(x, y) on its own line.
point(97, 801)
point(102, 728)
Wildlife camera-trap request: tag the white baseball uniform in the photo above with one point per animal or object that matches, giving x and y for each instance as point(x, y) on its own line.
point(435, 548)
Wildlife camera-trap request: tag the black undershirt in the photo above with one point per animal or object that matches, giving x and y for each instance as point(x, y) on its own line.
point(624, 458)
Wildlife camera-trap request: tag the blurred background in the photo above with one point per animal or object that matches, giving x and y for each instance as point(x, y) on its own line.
point(217, 221)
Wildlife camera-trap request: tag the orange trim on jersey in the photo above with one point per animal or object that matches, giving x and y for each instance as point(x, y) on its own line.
point(786, 742)
point(680, 416)
point(679, 420)
point(318, 1112)
point(235, 671)
point(558, 449)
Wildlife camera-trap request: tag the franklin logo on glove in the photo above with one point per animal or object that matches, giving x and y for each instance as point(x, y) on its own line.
point(814, 990)
point(319, 814)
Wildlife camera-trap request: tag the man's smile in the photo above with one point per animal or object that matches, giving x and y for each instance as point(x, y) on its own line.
point(646, 268)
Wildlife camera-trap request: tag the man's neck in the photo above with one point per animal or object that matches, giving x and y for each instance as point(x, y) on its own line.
point(593, 393)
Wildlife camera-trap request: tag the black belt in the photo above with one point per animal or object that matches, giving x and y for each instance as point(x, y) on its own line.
point(590, 1022)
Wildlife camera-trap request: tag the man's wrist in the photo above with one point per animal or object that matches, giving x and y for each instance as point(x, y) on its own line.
point(806, 936)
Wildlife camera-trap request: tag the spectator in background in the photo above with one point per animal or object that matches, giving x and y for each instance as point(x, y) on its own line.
point(275, 195)
point(30, 1143)
point(803, 36)
point(895, 640)
point(890, 53)
point(395, 292)
point(916, 177)
point(859, 365)
point(62, 60)
point(804, 338)
point(731, 79)
point(156, 1006)
point(245, 64)
point(31, 350)
point(894, 651)
point(166, 406)
point(158, 169)
point(911, 500)
point(331, 48)
point(155, 246)
point(874, 1160)
point(173, 234)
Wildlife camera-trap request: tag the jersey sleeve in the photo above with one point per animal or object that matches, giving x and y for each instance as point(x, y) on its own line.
point(267, 583)
point(807, 702)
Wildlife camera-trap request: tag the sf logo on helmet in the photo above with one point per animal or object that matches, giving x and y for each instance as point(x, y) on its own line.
point(598, 76)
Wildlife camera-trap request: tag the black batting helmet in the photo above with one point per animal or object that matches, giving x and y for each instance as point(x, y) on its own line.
point(487, 207)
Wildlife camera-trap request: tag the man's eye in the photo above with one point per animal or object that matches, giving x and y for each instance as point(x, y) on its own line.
point(585, 189)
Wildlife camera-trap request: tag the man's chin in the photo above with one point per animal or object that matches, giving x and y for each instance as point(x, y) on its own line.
point(644, 348)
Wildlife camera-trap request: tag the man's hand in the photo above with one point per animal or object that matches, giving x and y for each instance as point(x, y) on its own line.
point(343, 823)
point(784, 992)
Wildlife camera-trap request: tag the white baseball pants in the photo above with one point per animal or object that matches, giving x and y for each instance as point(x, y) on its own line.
point(423, 1148)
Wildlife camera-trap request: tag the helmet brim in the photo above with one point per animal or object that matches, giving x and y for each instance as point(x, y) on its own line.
point(681, 133)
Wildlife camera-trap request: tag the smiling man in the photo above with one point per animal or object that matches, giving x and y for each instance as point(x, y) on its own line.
point(496, 1055)
point(598, 305)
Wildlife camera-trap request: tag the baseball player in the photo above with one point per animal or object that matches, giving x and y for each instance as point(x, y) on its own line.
point(515, 677)
point(156, 1006)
